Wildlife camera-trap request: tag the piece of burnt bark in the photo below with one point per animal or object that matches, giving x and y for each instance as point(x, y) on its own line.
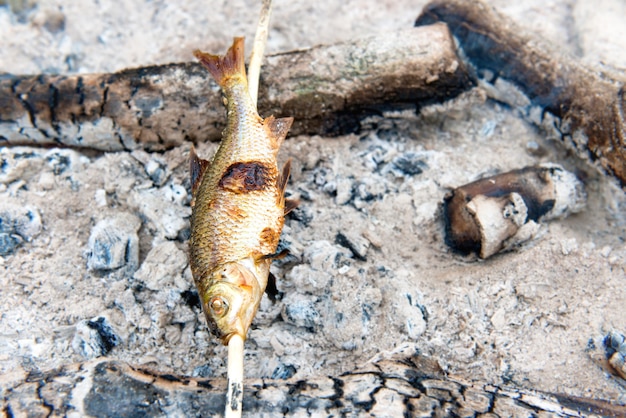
point(590, 106)
point(397, 385)
point(499, 212)
point(327, 89)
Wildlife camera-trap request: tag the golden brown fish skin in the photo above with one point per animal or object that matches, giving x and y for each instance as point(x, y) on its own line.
point(238, 204)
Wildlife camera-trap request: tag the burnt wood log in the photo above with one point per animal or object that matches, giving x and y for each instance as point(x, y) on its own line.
point(589, 105)
point(399, 385)
point(327, 89)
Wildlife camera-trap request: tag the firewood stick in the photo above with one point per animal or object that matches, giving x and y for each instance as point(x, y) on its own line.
point(398, 386)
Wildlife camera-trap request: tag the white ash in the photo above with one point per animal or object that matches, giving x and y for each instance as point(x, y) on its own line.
point(47, 289)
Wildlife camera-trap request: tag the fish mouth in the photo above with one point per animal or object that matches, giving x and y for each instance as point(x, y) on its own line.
point(241, 330)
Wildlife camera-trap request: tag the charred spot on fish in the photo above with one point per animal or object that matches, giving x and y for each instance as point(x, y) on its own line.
point(269, 236)
point(235, 212)
point(246, 177)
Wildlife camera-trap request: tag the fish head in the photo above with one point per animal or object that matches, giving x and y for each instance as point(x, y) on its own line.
point(231, 302)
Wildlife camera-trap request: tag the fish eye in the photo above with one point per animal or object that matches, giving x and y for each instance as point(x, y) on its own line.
point(218, 305)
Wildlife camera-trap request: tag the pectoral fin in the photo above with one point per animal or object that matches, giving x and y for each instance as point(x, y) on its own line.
point(276, 256)
point(197, 168)
point(289, 204)
point(284, 177)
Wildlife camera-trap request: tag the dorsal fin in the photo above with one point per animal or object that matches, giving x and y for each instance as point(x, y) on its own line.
point(197, 168)
point(278, 128)
point(230, 65)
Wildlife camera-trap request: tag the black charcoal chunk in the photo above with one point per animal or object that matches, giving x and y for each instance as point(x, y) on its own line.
point(302, 214)
point(614, 342)
point(95, 338)
point(191, 298)
point(59, 161)
point(114, 244)
point(300, 311)
point(355, 243)
point(18, 224)
point(202, 371)
point(157, 170)
point(410, 163)
point(9, 243)
point(283, 371)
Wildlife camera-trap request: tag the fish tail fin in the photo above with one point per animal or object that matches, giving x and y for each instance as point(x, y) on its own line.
point(223, 68)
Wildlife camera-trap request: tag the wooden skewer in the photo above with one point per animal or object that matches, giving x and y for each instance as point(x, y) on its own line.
point(260, 39)
point(234, 394)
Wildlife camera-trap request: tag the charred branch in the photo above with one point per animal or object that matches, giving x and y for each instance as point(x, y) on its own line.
point(327, 89)
point(588, 104)
point(402, 385)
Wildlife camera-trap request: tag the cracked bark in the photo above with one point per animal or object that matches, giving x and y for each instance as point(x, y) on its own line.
point(403, 384)
point(589, 104)
point(327, 89)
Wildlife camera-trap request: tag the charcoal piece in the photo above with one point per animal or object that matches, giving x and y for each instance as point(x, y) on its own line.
point(114, 244)
point(9, 243)
point(410, 164)
point(355, 243)
point(94, 338)
point(60, 160)
point(157, 170)
point(155, 166)
point(283, 371)
point(302, 214)
point(18, 224)
point(301, 311)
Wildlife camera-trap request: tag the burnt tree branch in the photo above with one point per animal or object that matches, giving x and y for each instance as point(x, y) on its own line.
point(404, 384)
point(327, 89)
point(590, 106)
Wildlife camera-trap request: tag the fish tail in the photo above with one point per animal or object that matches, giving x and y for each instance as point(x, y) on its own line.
point(223, 68)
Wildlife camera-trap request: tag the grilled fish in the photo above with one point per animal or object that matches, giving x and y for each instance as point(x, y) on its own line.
point(238, 203)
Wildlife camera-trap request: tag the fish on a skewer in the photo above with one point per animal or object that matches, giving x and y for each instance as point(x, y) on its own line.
point(238, 204)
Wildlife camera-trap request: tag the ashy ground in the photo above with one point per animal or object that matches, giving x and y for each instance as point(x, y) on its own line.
point(368, 269)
